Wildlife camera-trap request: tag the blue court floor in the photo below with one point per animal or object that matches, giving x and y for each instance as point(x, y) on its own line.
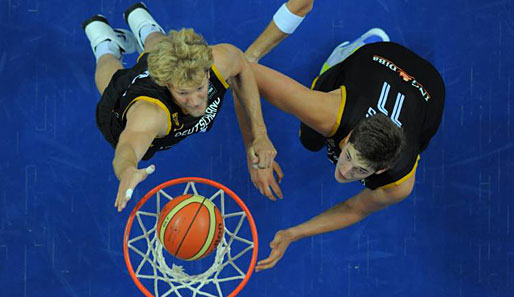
point(454, 236)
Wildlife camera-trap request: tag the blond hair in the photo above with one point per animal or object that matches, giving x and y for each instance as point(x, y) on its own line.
point(181, 59)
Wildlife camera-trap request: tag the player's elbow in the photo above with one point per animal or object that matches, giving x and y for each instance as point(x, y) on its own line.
point(300, 7)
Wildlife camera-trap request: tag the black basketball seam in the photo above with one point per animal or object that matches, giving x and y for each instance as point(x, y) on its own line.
point(190, 225)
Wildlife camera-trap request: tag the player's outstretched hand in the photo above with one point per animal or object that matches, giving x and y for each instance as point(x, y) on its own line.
point(261, 152)
point(128, 181)
point(267, 180)
point(282, 240)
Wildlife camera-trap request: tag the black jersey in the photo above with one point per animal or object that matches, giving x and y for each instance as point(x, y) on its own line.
point(130, 85)
point(386, 78)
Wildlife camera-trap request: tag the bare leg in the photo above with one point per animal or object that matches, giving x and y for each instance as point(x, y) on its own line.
point(106, 66)
point(152, 39)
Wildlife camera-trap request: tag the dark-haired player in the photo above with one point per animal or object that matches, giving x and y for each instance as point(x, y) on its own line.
point(375, 106)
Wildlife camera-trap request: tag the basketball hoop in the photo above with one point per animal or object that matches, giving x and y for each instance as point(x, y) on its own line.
point(152, 263)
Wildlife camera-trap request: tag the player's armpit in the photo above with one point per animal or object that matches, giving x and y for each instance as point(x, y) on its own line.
point(368, 201)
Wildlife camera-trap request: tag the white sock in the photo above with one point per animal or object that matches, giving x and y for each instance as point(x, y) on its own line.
point(147, 30)
point(107, 47)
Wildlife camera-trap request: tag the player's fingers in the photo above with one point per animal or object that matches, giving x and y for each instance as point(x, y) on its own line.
point(134, 181)
point(268, 193)
point(119, 195)
point(264, 189)
point(276, 189)
point(126, 198)
point(278, 171)
point(266, 263)
point(150, 169)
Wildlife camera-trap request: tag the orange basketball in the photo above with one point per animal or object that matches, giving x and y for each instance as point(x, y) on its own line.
point(190, 227)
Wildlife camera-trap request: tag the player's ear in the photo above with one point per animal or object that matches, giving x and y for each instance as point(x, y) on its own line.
point(381, 171)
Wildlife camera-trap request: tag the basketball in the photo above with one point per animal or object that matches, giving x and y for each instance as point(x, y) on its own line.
point(190, 227)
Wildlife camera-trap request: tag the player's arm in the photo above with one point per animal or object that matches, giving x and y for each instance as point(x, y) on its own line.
point(318, 110)
point(339, 216)
point(232, 64)
point(353, 210)
point(284, 22)
point(145, 121)
point(265, 180)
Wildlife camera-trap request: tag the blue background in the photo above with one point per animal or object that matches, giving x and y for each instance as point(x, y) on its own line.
point(61, 236)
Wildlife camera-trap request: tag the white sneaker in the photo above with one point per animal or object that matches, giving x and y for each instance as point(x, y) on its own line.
point(97, 29)
point(137, 16)
point(345, 49)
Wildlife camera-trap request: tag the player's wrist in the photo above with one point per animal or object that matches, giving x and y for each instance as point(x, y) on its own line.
point(128, 170)
point(252, 55)
point(259, 132)
point(285, 20)
point(292, 234)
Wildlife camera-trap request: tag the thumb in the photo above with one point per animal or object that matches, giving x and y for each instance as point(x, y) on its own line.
point(253, 157)
point(128, 194)
point(150, 169)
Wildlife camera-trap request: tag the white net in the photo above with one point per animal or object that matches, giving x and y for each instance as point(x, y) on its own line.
point(154, 267)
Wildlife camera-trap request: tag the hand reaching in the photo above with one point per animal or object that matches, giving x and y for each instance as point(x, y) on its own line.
point(282, 240)
point(263, 179)
point(261, 152)
point(129, 179)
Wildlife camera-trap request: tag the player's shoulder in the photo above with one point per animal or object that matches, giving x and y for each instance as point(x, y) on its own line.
point(224, 48)
point(148, 115)
point(227, 58)
point(145, 107)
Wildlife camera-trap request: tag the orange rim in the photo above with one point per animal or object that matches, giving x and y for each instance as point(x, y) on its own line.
point(182, 180)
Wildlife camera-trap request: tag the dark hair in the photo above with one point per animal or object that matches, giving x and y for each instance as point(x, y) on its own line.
point(378, 141)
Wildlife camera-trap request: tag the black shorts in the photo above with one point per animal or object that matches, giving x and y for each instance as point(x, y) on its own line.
point(108, 113)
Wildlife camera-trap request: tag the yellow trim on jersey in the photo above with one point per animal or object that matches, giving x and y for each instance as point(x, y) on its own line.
point(314, 82)
point(154, 101)
point(339, 112)
point(140, 55)
point(219, 76)
point(401, 180)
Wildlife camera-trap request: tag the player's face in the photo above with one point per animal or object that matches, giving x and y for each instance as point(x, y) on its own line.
point(350, 167)
point(192, 100)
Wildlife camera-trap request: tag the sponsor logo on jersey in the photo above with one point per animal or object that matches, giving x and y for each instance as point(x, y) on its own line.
point(404, 75)
point(176, 122)
point(212, 90)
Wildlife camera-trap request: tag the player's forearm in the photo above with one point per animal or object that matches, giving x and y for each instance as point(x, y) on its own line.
point(273, 35)
point(247, 94)
point(338, 217)
point(268, 40)
point(124, 157)
point(243, 124)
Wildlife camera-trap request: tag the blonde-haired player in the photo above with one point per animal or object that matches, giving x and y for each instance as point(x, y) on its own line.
point(175, 90)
